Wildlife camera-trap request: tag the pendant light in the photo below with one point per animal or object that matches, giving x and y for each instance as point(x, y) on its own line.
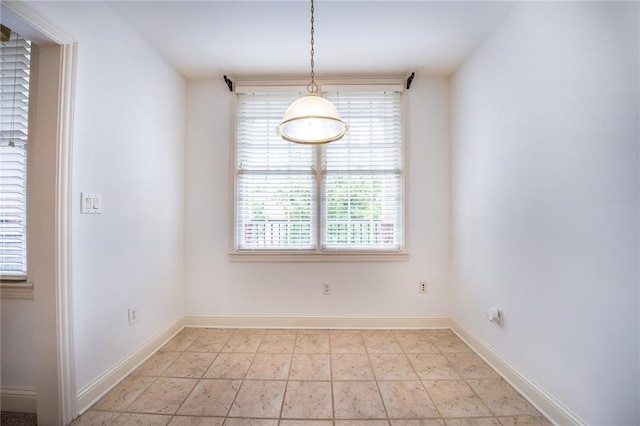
point(312, 119)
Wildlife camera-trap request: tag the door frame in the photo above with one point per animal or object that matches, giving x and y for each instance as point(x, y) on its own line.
point(60, 408)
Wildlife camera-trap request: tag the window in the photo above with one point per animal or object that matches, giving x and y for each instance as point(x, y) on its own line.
point(15, 54)
point(346, 196)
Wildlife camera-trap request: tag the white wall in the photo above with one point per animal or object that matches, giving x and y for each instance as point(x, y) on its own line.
point(18, 344)
point(217, 286)
point(545, 200)
point(128, 146)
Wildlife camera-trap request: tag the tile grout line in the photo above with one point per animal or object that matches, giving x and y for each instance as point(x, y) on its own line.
point(375, 378)
point(286, 384)
point(244, 376)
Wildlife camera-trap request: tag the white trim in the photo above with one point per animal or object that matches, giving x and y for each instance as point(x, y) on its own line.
point(18, 400)
point(318, 321)
point(64, 304)
point(262, 256)
point(548, 405)
point(102, 384)
point(9, 290)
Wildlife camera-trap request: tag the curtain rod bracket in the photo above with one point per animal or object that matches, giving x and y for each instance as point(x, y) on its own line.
point(229, 82)
point(410, 80)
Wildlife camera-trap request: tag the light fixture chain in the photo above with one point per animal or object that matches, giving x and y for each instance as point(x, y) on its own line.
point(313, 88)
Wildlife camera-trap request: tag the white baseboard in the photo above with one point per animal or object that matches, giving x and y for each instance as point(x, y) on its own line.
point(18, 400)
point(553, 409)
point(91, 393)
point(317, 321)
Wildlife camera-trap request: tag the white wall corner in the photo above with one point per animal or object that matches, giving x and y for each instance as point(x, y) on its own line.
point(548, 405)
point(102, 384)
point(18, 400)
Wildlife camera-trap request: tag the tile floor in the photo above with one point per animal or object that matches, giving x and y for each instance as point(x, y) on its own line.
point(206, 376)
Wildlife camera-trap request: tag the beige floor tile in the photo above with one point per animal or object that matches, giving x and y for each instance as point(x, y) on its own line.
point(416, 343)
point(383, 343)
point(229, 366)
point(243, 342)
point(181, 341)
point(439, 332)
point(163, 396)
point(406, 400)
point(392, 367)
point(421, 422)
point(306, 423)
point(351, 367)
point(211, 398)
point(454, 398)
point(120, 397)
point(131, 419)
point(281, 331)
point(196, 421)
point(501, 398)
point(156, 364)
point(310, 367)
point(347, 342)
point(312, 342)
point(189, 364)
point(208, 341)
point(433, 367)
point(251, 422)
point(524, 421)
point(277, 343)
point(96, 418)
point(362, 423)
point(323, 331)
point(471, 366)
point(449, 343)
point(307, 400)
point(270, 367)
point(473, 422)
point(357, 400)
point(259, 398)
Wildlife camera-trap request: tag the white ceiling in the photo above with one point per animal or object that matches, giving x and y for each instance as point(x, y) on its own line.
point(353, 38)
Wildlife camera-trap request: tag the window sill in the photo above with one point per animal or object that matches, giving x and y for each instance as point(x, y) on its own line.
point(306, 257)
point(16, 290)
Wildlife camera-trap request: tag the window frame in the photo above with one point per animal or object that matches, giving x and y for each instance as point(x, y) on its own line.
point(16, 285)
point(317, 254)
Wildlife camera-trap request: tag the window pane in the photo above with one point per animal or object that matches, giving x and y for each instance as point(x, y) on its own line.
point(276, 211)
point(363, 211)
point(15, 56)
point(362, 179)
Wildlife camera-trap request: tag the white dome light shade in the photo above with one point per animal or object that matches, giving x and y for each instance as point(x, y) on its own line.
point(312, 120)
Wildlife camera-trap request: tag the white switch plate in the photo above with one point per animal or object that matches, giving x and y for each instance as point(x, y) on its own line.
point(90, 203)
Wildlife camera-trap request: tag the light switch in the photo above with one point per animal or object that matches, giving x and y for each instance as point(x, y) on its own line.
point(90, 203)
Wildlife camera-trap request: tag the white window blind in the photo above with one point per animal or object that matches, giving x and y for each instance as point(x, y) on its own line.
point(362, 174)
point(15, 55)
point(343, 196)
point(276, 180)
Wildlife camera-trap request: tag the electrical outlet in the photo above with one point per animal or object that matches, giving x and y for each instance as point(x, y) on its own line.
point(133, 315)
point(422, 287)
point(326, 289)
